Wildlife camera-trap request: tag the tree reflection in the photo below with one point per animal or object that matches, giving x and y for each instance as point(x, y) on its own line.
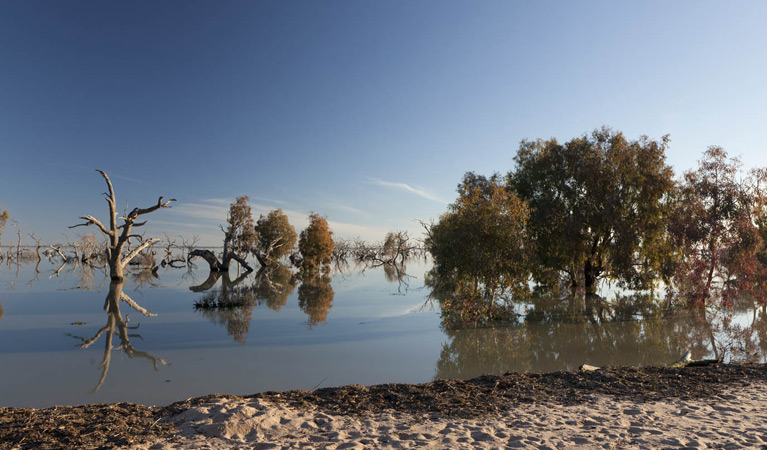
point(232, 304)
point(315, 297)
point(118, 326)
point(562, 332)
point(396, 272)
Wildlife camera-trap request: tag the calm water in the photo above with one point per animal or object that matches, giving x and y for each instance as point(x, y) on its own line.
point(360, 328)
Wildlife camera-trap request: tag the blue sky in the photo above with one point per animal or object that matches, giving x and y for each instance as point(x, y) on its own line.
point(368, 112)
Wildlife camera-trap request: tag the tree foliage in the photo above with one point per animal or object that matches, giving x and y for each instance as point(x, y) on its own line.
point(395, 247)
point(240, 234)
point(479, 246)
point(599, 207)
point(316, 244)
point(719, 230)
point(3, 219)
point(276, 236)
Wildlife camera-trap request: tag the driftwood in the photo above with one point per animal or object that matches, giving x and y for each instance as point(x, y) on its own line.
point(685, 361)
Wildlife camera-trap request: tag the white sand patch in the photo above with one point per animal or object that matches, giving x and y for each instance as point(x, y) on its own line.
point(735, 419)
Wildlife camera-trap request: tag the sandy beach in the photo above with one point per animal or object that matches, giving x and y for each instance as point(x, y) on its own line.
point(735, 418)
point(718, 406)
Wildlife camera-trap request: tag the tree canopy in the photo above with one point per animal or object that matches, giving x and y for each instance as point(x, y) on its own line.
point(240, 233)
point(480, 245)
point(599, 207)
point(719, 231)
point(316, 244)
point(276, 236)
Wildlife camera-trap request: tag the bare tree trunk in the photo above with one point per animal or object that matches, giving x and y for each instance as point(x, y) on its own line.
point(120, 235)
point(209, 257)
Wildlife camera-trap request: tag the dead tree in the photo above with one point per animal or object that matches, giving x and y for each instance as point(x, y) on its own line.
point(118, 236)
point(226, 259)
point(37, 251)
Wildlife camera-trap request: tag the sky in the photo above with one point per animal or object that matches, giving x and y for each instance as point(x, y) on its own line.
point(366, 112)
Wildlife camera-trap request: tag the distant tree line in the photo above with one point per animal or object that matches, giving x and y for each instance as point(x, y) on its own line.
point(603, 207)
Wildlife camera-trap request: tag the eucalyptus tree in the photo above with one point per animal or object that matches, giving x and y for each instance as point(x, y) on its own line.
point(315, 244)
point(480, 244)
point(720, 231)
point(599, 207)
point(119, 235)
point(276, 236)
point(240, 238)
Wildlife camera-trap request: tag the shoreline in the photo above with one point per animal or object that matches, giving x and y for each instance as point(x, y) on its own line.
point(583, 409)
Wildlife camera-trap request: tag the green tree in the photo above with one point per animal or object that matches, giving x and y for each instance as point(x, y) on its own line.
point(599, 207)
point(276, 236)
point(316, 244)
point(479, 246)
point(240, 234)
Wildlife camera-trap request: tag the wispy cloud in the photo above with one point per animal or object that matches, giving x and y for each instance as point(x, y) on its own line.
point(209, 209)
point(407, 188)
point(205, 215)
point(341, 207)
point(352, 231)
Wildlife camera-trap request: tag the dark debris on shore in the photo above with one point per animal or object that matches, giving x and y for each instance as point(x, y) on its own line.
point(123, 424)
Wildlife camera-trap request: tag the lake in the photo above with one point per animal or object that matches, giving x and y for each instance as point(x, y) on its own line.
point(361, 327)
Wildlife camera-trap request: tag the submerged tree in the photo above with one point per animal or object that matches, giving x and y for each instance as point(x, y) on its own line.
point(316, 244)
point(719, 229)
point(479, 246)
point(239, 238)
point(598, 207)
point(119, 235)
point(3, 220)
point(276, 236)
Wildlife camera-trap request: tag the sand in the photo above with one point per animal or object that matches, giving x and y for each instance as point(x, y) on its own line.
point(734, 418)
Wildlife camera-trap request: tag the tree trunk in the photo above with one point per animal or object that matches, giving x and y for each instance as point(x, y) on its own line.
point(115, 266)
point(590, 277)
point(210, 258)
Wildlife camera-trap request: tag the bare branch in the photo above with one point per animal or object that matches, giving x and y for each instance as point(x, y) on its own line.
point(90, 220)
point(138, 212)
point(112, 200)
point(137, 250)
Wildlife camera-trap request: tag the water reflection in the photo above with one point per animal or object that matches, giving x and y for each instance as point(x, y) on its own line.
point(561, 333)
point(117, 325)
point(315, 297)
point(232, 304)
